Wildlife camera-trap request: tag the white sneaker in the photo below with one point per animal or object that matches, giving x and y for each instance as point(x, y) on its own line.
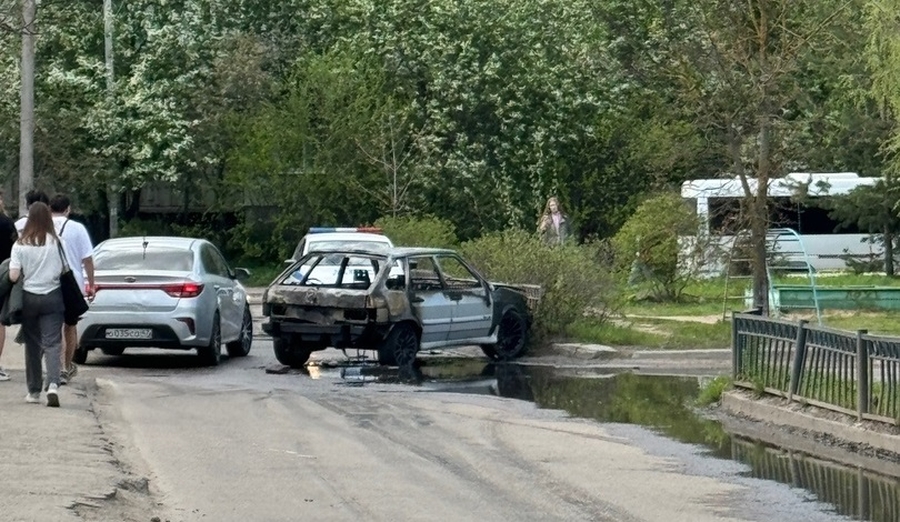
point(33, 398)
point(3, 375)
point(53, 396)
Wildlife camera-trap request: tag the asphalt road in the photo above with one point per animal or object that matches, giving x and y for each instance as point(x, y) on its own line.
point(237, 443)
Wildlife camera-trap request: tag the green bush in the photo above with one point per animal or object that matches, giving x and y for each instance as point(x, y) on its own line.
point(427, 231)
point(145, 227)
point(647, 247)
point(574, 278)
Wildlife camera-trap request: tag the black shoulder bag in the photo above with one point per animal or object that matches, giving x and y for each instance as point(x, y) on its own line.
point(73, 298)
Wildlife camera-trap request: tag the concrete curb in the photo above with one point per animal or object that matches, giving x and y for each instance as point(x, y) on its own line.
point(855, 433)
point(584, 351)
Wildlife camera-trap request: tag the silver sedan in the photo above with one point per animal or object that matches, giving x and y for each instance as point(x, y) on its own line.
point(166, 292)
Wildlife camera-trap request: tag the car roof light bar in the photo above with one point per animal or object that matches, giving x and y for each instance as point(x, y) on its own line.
point(323, 230)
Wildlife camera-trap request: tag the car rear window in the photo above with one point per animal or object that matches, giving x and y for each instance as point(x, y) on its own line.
point(170, 259)
point(335, 270)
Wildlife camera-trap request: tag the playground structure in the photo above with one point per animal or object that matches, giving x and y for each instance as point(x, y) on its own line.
point(786, 256)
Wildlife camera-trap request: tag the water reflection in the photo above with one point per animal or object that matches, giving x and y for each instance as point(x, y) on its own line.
point(854, 492)
point(665, 405)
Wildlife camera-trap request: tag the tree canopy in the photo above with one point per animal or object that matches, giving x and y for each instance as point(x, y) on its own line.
point(471, 111)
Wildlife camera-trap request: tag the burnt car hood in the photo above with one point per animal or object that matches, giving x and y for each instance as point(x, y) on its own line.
point(317, 296)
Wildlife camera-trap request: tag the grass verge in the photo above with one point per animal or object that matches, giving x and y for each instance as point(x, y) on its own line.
point(712, 392)
point(706, 296)
point(652, 333)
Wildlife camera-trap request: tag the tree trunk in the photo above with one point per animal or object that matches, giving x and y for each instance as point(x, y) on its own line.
point(758, 229)
point(134, 206)
point(888, 238)
point(26, 125)
point(760, 213)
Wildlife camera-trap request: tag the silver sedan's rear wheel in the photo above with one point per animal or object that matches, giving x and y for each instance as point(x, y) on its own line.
point(241, 347)
point(81, 355)
point(211, 354)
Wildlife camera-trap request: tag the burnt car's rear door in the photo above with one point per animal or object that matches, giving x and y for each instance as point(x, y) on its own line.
point(473, 313)
point(428, 300)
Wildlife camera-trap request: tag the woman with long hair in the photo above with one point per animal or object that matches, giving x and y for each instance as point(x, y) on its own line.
point(553, 225)
point(37, 259)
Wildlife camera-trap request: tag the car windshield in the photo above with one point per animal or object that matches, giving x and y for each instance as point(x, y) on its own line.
point(335, 270)
point(168, 259)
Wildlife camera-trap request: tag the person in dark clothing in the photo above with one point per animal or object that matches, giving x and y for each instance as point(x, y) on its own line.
point(553, 226)
point(8, 236)
point(31, 197)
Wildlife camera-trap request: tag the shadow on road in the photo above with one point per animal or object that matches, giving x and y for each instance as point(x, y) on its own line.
point(169, 360)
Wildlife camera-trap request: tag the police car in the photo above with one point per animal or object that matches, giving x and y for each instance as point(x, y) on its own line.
point(331, 238)
point(320, 239)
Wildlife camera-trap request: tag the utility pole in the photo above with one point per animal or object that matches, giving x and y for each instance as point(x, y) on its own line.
point(112, 193)
point(26, 122)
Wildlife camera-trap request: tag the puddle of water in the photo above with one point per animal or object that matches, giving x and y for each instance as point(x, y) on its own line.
point(664, 405)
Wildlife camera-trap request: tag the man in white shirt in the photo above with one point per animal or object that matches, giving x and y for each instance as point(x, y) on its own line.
point(79, 255)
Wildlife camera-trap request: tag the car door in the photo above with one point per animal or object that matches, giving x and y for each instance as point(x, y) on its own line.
point(236, 292)
point(219, 276)
point(473, 310)
point(428, 300)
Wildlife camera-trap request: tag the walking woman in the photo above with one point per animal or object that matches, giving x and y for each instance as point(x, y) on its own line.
point(36, 258)
point(553, 226)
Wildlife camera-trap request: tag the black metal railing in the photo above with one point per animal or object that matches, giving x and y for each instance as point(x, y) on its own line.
point(850, 372)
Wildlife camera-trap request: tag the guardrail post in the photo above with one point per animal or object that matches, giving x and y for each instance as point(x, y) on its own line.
point(799, 358)
point(862, 374)
point(735, 349)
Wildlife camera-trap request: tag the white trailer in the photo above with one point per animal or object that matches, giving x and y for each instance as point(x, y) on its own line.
point(826, 241)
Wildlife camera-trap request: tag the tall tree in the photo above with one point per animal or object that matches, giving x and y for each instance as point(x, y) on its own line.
point(737, 64)
point(883, 53)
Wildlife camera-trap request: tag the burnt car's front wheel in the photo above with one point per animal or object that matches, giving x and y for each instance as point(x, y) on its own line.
point(290, 352)
point(512, 336)
point(400, 347)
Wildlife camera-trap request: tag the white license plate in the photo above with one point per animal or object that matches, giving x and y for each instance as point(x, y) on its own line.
point(129, 333)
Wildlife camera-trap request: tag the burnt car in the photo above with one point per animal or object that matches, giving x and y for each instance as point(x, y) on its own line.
point(395, 301)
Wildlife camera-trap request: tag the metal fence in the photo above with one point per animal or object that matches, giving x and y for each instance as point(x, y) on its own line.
point(849, 372)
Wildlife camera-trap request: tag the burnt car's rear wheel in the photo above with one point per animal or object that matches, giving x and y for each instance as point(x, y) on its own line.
point(290, 351)
point(512, 336)
point(241, 346)
point(402, 345)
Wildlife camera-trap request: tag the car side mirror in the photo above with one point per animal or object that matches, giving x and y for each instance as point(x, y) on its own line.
point(241, 274)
